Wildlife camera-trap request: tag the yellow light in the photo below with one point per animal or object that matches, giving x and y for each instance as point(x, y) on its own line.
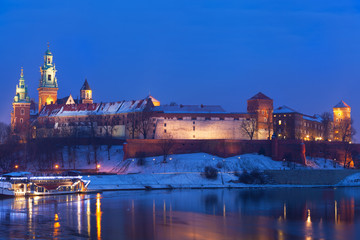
point(56, 166)
point(16, 166)
point(98, 166)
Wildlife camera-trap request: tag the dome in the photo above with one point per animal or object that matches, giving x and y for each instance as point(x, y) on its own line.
point(48, 52)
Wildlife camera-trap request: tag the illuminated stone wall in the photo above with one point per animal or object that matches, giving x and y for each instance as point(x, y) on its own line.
point(200, 129)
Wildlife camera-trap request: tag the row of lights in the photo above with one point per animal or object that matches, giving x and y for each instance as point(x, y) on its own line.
point(57, 166)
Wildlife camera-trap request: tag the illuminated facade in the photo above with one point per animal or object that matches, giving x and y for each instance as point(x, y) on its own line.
point(48, 85)
point(86, 93)
point(147, 118)
point(342, 121)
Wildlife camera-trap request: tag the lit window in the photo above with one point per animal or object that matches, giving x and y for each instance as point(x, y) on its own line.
point(279, 122)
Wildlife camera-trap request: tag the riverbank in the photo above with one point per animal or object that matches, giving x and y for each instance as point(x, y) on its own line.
point(293, 178)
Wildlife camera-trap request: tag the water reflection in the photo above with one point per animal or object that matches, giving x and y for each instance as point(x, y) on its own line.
point(188, 214)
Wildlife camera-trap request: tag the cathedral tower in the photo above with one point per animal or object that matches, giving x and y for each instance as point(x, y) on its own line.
point(20, 116)
point(48, 85)
point(86, 93)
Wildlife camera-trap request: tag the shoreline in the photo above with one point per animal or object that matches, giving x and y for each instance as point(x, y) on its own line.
point(171, 181)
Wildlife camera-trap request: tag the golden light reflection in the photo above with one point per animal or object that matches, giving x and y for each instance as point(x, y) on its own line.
point(284, 211)
point(98, 215)
point(88, 214)
point(308, 219)
point(56, 218)
point(79, 213)
point(336, 212)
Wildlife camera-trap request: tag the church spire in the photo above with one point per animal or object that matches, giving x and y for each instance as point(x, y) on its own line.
point(48, 71)
point(21, 94)
point(48, 85)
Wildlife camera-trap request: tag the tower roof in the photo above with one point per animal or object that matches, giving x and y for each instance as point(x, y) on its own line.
point(341, 104)
point(85, 86)
point(260, 95)
point(47, 52)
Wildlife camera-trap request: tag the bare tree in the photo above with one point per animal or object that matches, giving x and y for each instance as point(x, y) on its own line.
point(145, 123)
point(108, 125)
point(4, 132)
point(167, 144)
point(326, 120)
point(345, 132)
point(132, 124)
point(249, 126)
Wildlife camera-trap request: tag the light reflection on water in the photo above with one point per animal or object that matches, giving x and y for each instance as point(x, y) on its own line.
point(186, 214)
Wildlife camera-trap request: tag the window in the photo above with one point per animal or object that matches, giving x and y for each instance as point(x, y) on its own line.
point(265, 119)
point(49, 60)
point(21, 120)
point(194, 128)
point(180, 118)
point(279, 122)
point(164, 130)
point(164, 124)
point(49, 77)
point(22, 111)
point(193, 122)
point(193, 136)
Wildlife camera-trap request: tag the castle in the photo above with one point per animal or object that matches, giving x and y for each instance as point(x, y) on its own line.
point(147, 118)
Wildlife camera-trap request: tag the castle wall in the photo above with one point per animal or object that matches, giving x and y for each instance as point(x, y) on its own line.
point(199, 129)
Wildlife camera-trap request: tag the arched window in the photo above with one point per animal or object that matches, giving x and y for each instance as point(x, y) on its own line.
point(22, 111)
point(21, 120)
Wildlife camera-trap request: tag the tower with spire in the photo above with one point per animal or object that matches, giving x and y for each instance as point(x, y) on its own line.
point(48, 85)
point(20, 116)
point(86, 93)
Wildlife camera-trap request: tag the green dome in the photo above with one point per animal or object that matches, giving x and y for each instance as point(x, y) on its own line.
point(48, 52)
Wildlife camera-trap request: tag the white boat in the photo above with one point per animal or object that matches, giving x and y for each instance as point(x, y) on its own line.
point(23, 184)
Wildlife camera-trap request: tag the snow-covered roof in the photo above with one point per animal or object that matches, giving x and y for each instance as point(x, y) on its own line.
point(284, 109)
point(341, 104)
point(315, 118)
point(63, 110)
point(189, 109)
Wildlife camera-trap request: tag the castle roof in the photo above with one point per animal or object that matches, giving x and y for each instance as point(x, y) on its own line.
point(189, 109)
point(83, 109)
point(260, 95)
point(85, 86)
point(341, 104)
point(47, 52)
point(284, 109)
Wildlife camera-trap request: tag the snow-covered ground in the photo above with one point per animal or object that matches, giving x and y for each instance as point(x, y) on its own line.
point(353, 180)
point(322, 163)
point(196, 162)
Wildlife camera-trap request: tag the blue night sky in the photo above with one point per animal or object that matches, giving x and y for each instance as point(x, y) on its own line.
point(304, 54)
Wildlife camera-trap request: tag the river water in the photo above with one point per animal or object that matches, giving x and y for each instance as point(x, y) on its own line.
point(285, 213)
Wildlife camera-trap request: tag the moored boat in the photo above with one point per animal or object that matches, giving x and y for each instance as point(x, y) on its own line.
point(23, 184)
